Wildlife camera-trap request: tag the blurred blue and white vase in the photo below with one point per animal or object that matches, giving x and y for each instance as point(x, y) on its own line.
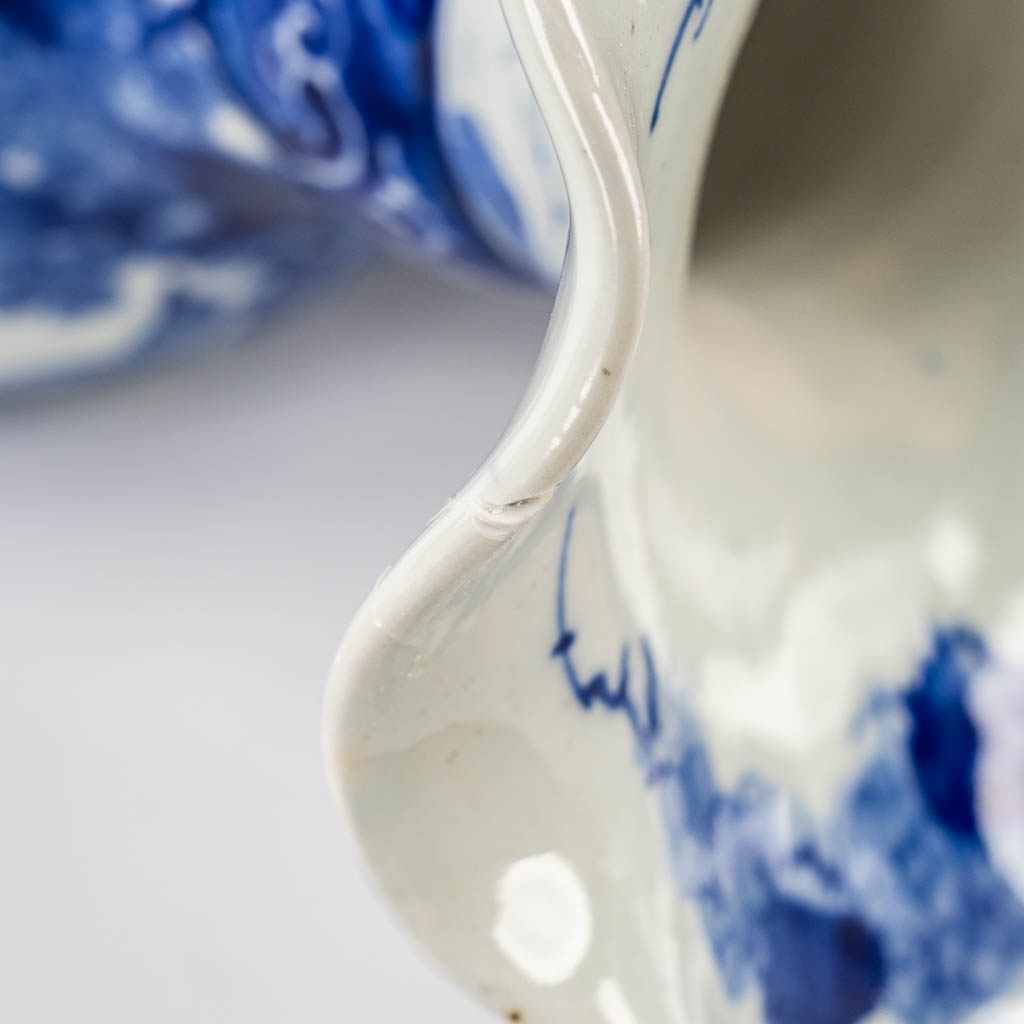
point(172, 165)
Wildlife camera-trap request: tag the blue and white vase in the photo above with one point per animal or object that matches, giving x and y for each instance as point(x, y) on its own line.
point(703, 701)
point(171, 165)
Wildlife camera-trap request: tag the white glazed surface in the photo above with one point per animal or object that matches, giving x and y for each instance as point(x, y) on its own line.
point(796, 536)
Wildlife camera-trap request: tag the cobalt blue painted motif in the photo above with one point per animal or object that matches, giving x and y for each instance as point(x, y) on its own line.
point(168, 162)
point(892, 902)
point(695, 15)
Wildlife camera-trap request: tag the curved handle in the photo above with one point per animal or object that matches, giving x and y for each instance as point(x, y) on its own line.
point(597, 320)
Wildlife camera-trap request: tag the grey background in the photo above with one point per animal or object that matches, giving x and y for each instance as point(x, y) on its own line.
point(179, 555)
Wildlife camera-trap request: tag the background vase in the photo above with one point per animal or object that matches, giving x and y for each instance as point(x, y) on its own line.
point(171, 167)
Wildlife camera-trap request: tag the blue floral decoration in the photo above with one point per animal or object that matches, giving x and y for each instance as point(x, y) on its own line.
point(171, 163)
point(890, 902)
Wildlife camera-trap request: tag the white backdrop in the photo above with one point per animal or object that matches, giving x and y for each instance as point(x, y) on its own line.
point(179, 555)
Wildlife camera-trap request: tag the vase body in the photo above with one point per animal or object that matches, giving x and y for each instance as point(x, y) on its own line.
point(744, 695)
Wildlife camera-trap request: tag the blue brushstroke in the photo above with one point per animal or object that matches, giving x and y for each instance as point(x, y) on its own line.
point(944, 742)
point(644, 718)
point(891, 901)
point(822, 968)
point(33, 17)
point(702, 7)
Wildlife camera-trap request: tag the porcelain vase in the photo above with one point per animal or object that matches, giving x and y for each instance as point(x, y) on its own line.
point(703, 703)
